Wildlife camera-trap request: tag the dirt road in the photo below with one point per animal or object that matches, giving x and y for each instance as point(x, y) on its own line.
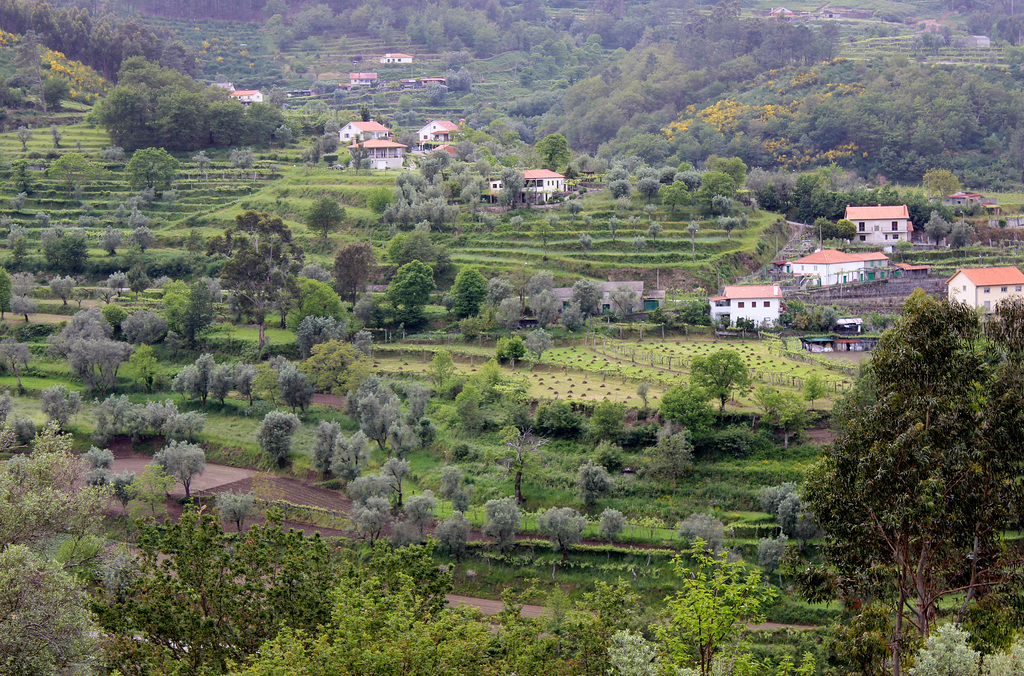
point(490, 606)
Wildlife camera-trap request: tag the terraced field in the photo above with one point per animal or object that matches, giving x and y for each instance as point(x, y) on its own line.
point(601, 368)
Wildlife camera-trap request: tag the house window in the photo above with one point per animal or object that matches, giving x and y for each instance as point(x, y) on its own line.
point(988, 305)
point(886, 237)
point(895, 225)
point(1016, 288)
point(876, 228)
point(1003, 289)
point(965, 287)
point(861, 227)
point(862, 238)
point(815, 268)
point(767, 303)
point(986, 290)
point(895, 236)
point(740, 304)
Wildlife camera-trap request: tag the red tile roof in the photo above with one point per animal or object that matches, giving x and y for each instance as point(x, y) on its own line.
point(447, 125)
point(378, 143)
point(751, 291)
point(369, 126)
point(909, 267)
point(541, 173)
point(245, 92)
point(876, 213)
point(362, 76)
point(991, 276)
point(831, 257)
point(397, 56)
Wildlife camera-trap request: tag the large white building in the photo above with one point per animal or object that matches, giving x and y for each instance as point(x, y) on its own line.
point(759, 303)
point(363, 131)
point(828, 267)
point(362, 80)
point(436, 131)
point(395, 58)
point(881, 225)
point(985, 287)
point(247, 96)
point(383, 154)
point(538, 184)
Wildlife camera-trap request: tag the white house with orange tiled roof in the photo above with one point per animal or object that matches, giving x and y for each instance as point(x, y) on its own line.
point(436, 131)
point(543, 182)
point(362, 79)
point(383, 154)
point(247, 96)
point(828, 267)
point(538, 184)
point(363, 131)
point(759, 303)
point(985, 287)
point(396, 58)
point(881, 225)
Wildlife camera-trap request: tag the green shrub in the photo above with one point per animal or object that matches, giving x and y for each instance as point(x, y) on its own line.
point(115, 314)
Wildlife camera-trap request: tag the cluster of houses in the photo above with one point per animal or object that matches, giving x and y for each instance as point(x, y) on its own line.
point(981, 288)
point(384, 153)
point(762, 304)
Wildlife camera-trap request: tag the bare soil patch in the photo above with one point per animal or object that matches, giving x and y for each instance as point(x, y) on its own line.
point(214, 477)
point(491, 606)
point(821, 436)
point(331, 400)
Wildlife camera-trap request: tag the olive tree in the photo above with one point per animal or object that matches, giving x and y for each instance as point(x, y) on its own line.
point(222, 381)
point(592, 483)
point(274, 435)
point(702, 527)
point(15, 356)
point(377, 407)
point(324, 438)
point(294, 386)
point(23, 305)
point(235, 507)
point(59, 405)
point(502, 521)
point(452, 535)
point(62, 287)
point(350, 456)
point(564, 526)
point(538, 342)
point(110, 240)
point(372, 516)
point(183, 461)
point(612, 524)
point(419, 511)
point(313, 331)
point(452, 488)
point(143, 328)
point(394, 472)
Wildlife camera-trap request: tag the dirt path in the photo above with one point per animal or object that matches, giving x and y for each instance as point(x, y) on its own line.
point(493, 607)
point(214, 477)
point(490, 606)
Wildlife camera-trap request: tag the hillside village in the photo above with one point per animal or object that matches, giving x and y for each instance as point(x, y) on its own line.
point(510, 338)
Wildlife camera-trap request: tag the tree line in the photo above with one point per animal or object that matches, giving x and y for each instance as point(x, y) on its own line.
point(157, 106)
point(102, 41)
